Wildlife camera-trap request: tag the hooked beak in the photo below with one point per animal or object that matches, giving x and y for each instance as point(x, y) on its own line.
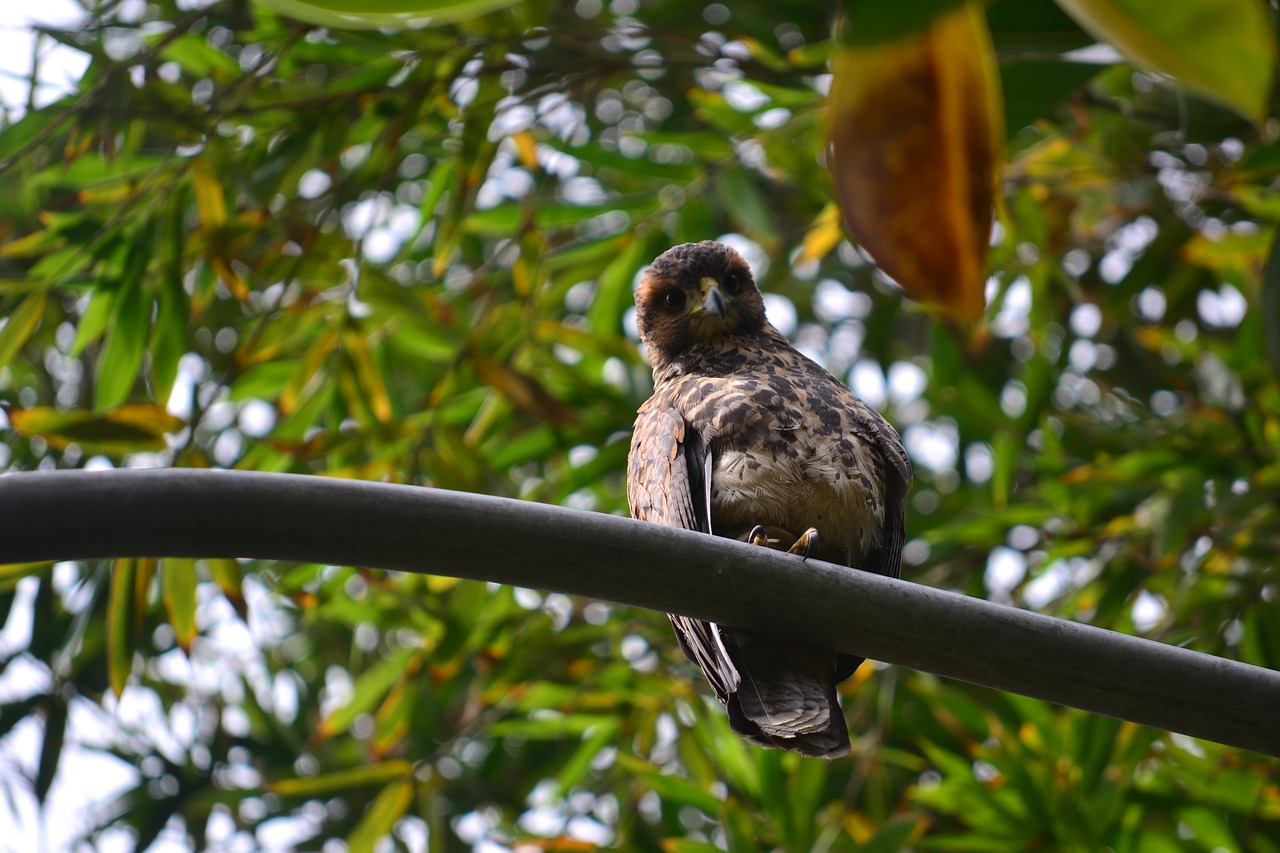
point(713, 301)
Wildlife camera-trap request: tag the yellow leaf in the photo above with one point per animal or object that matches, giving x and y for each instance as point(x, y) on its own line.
point(525, 392)
point(916, 130)
point(120, 638)
point(25, 247)
point(178, 579)
point(342, 780)
point(375, 390)
point(381, 816)
point(526, 148)
point(211, 205)
point(20, 325)
point(823, 236)
point(124, 429)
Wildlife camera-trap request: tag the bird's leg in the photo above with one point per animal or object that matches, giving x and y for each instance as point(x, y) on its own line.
point(804, 545)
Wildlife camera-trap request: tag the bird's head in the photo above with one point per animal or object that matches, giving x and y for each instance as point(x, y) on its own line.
point(696, 293)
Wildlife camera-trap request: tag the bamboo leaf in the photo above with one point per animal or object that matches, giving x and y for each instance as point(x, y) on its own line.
point(381, 816)
point(122, 353)
point(211, 204)
point(179, 585)
point(1269, 305)
point(125, 429)
point(55, 731)
point(370, 689)
point(120, 634)
point(341, 780)
point(525, 392)
point(384, 14)
point(20, 325)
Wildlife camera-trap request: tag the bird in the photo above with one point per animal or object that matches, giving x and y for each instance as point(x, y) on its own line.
point(747, 438)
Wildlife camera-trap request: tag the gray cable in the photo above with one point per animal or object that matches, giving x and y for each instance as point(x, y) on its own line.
point(66, 515)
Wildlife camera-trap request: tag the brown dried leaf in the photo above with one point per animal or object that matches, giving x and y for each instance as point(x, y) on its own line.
point(915, 129)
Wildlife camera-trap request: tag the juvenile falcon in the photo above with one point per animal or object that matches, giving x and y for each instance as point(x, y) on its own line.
point(745, 437)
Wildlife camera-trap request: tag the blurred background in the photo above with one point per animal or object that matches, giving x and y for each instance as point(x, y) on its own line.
point(231, 239)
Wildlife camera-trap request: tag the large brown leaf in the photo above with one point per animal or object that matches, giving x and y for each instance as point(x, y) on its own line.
point(916, 128)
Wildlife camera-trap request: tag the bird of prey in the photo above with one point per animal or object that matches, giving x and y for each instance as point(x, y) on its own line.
point(745, 437)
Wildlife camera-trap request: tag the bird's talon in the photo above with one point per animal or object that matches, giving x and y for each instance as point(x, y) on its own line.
point(757, 536)
point(804, 545)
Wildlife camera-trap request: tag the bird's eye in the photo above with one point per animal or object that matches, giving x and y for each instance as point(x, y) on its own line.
point(732, 284)
point(674, 299)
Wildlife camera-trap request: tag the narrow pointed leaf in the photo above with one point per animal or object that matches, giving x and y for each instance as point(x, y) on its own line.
point(120, 624)
point(55, 731)
point(524, 391)
point(385, 14)
point(20, 325)
point(370, 689)
point(179, 582)
point(1270, 307)
point(341, 780)
point(378, 820)
point(125, 429)
point(126, 343)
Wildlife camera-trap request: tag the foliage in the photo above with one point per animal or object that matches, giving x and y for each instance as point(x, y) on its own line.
point(245, 242)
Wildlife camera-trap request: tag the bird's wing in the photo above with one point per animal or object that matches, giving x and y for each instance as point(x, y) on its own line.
point(887, 559)
point(886, 556)
point(669, 482)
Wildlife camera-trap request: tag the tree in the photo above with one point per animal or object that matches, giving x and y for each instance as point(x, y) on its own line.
point(407, 256)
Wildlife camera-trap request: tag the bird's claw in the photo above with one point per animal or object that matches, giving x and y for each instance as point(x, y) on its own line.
point(804, 545)
point(757, 536)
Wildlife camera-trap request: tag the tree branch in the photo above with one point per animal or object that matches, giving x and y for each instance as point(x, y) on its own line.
point(199, 513)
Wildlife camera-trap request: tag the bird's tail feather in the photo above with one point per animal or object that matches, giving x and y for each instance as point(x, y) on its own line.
point(787, 700)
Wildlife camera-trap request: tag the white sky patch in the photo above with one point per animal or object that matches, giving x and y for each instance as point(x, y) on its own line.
point(1013, 318)
point(781, 313)
point(1094, 54)
point(755, 256)
point(907, 381)
point(60, 68)
point(1148, 610)
point(934, 445)
point(1005, 570)
point(868, 382)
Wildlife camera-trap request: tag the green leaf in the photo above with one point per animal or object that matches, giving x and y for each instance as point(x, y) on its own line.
point(178, 580)
point(384, 14)
point(874, 23)
point(1033, 88)
point(55, 731)
point(378, 821)
point(122, 353)
point(1269, 306)
point(341, 780)
point(595, 740)
point(1224, 51)
point(671, 788)
point(613, 287)
point(370, 688)
point(169, 341)
point(199, 58)
point(97, 315)
point(120, 636)
point(746, 204)
point(20, 325)
point(126, 429)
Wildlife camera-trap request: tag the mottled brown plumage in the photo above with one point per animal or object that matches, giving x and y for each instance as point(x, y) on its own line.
point(744, 430)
